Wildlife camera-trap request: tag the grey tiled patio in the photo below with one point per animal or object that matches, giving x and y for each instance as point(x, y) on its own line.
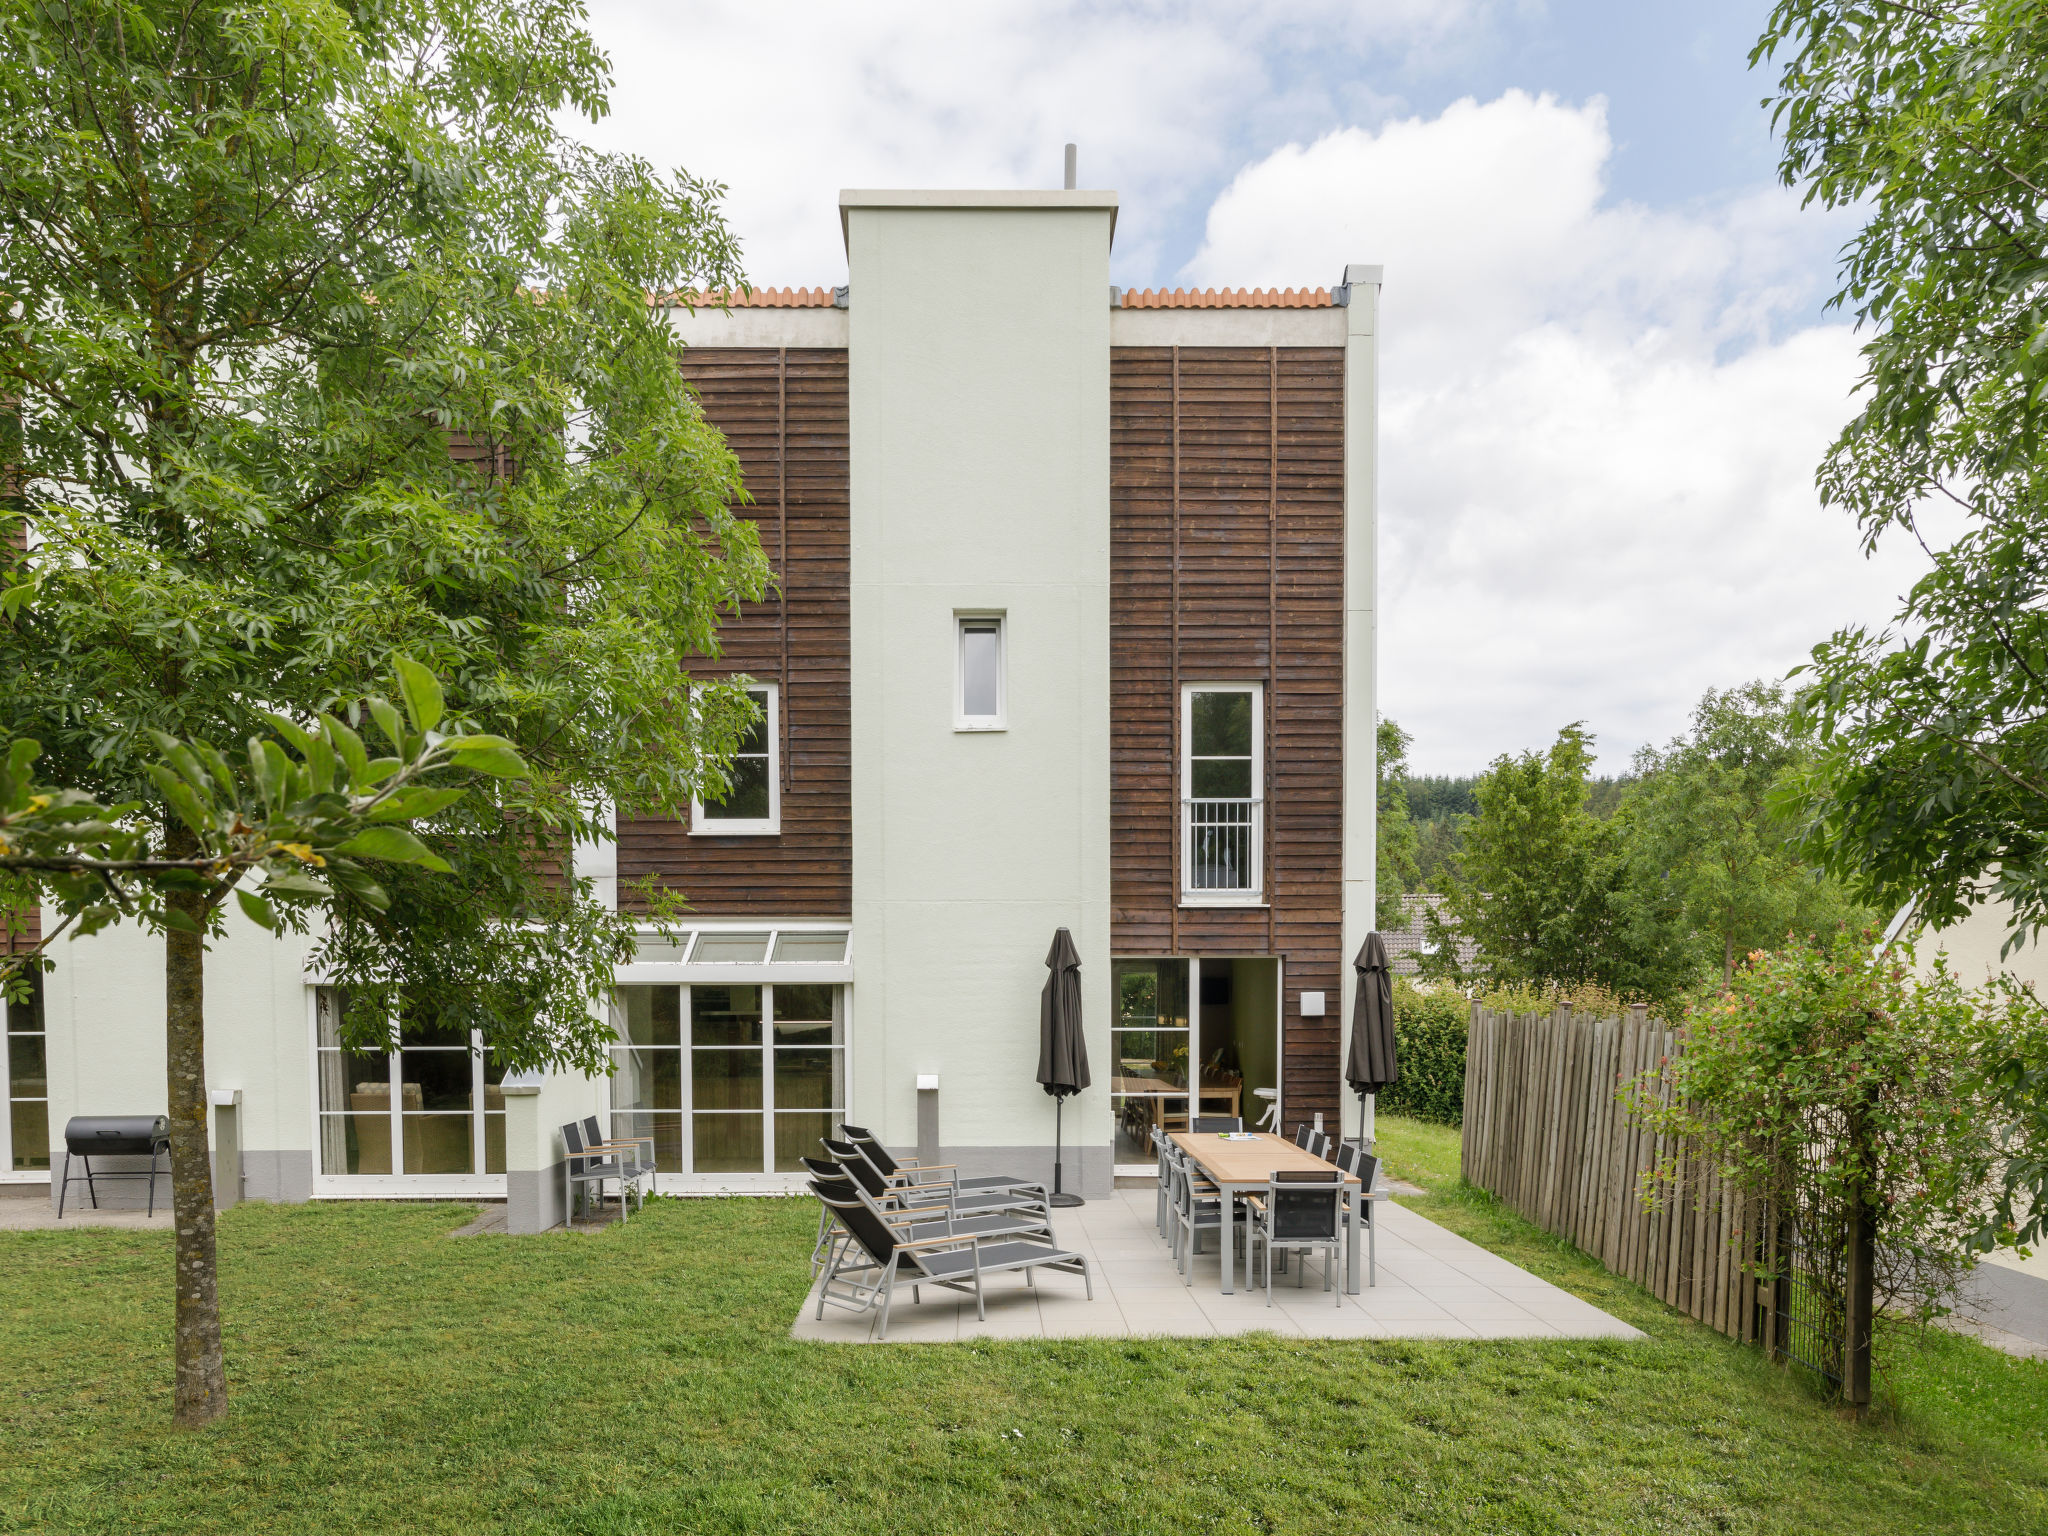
point(1433, 1284)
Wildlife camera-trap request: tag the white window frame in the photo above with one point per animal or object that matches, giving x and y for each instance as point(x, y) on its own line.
point(763, 1181)
point(1191, 896)
point(9, 1174)
point(1000, 720)
point(379, 1186)
point(703, 826)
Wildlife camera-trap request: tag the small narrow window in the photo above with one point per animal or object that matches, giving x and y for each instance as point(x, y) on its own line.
point(979, 705)
point(752, 802)
point(1222, 787)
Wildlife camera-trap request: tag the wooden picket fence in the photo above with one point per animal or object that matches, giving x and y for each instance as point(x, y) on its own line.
point(1547, 1131)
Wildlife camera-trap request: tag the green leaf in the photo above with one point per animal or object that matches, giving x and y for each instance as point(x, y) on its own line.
point(499, 762)
point(348, 746)
point(257, 910)
point(294, 884)
point(412, 804)
point(300, 739)
point(387, 721)
point(421, 691)
point(179, 919)
point(397, 846)
point(179, 796)
point(355, 880)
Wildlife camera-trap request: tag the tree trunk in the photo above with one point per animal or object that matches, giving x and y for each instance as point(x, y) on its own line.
point(201, 1391)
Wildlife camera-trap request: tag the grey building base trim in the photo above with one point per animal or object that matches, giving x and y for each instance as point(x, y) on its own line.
point(283, 1177)
point(1090, 1171)
point(535, 1202)
point(120, 1194)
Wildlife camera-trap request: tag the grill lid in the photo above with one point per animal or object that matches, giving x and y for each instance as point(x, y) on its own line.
point(115, 1135)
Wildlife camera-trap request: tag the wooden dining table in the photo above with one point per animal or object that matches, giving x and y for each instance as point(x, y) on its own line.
point(1238, 1165)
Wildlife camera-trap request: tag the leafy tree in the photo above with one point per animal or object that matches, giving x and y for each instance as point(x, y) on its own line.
point(266, 267)
point(1433, 796)
point(1438, 842)
point(1397, 874)
point(1707, 849)
point(1830, 1079)
point(1929, 786)
point(1532, 878)
point(1543, 891)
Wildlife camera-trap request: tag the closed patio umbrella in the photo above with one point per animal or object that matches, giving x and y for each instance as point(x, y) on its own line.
point(1062, 1050)
point(1371, 1065)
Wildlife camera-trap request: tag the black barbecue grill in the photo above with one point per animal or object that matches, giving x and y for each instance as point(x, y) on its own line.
point(89, 1136)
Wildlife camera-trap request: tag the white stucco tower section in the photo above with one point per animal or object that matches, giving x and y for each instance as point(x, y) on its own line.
point(979, 382)
point(1361, 636)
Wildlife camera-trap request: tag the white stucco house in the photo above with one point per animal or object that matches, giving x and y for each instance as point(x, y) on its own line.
point(1075, 628)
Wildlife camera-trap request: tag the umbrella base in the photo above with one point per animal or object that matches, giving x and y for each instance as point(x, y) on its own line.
point(1063, 1200)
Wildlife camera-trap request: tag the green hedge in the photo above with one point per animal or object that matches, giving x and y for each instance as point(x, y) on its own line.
point(1429, 1038)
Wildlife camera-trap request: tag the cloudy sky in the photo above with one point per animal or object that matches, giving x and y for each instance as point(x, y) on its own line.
point(1607, 374)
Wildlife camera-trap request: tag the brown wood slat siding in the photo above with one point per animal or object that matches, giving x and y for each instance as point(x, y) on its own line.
point(784, 413)
point(1227, 624)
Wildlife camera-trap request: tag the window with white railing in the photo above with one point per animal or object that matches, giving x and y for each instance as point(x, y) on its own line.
point(1222, 784)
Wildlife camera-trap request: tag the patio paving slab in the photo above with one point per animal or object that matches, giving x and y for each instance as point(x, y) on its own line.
point(1433, 1284)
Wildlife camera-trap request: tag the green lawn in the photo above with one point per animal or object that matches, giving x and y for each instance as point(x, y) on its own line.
point(389, 1378)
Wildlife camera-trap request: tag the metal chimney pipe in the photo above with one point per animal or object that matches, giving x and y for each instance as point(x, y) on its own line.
point(1072, 158)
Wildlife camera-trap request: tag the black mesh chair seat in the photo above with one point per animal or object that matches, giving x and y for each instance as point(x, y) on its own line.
point(1303, 1209)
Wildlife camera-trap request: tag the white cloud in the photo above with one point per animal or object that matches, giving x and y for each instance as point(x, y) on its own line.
point(1599, 423)
point(788, 102)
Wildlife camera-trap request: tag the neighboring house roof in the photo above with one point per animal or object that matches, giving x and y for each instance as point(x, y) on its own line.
point(1407, 944)
point(1127, 298)
point(761, 298)
point(1226, 298)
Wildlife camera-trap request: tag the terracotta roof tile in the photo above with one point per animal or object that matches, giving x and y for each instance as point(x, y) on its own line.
point(762, 298)
point(1226, 298)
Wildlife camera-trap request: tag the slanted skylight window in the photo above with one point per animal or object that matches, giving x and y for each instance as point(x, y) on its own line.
point(829, 948)
point(732, 948)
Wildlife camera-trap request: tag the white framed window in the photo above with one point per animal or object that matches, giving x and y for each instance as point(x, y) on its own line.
point(752, 803)
point(980, 688)
point(1222, 787)
point(428, 1106)
point(734, 1081)
point(25, 1130)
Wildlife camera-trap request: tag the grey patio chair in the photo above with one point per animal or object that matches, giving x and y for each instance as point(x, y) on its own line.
point(642, 1148)
point(925, 1221)
point(1302, 1132)
point(1346, 1157)
point(862, 1170)
point(917, 1220)
point(1163, 1150)
point(956, 1262)
point(910, 1172)
point(1212, 1125)
point(1319, 1144)
point(1193, 1214)
point(1302, 1209)
point(585, 1170)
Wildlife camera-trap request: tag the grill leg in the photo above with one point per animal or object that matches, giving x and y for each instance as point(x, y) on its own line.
point(90, 1187)
point(152, 1180)
point(64, 1187)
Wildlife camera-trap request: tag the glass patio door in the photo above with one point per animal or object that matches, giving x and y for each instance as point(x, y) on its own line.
point(1150, 1048)
point(729, 1079)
